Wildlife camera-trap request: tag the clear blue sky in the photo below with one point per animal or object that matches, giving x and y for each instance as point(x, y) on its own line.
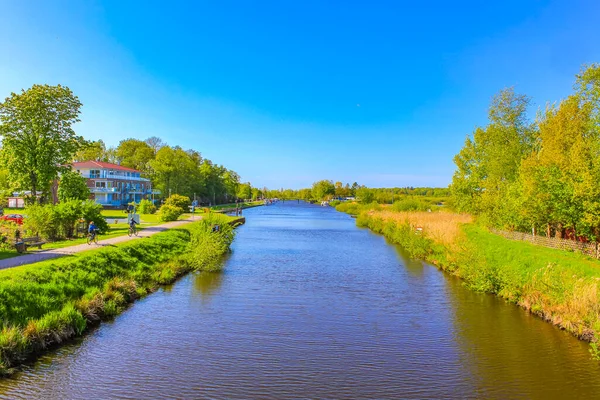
point(289, 92)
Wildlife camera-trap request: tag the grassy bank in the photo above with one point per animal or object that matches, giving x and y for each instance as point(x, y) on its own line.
point(561, 287)
point(47, 303)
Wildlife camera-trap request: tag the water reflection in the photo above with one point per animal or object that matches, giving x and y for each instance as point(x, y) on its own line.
point(207, 284)
point(309, 306)
point(515, 354)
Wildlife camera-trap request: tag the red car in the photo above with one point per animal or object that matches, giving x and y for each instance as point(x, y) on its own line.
point(16, 218)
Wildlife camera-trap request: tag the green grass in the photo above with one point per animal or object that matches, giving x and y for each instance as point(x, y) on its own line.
point(49, 302)
point(111, 215)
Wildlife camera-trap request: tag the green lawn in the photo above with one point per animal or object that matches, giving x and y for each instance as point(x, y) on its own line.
point(111, 215)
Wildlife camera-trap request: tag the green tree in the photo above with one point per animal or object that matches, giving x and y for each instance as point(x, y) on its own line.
point(38, 140)
point(135, 154)
point(322, 189)
point(488, 165)
point(244, 191)
point(365, 195)
point(94, 151)
point(72, 186)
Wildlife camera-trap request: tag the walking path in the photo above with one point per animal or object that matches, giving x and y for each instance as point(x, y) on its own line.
point(65, 251)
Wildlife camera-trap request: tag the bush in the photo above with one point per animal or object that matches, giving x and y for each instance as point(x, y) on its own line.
point(92, 211)
point(411, 204)
point(41, 220)
point(169, 213)
point(208, 246)
point(9, 231)
point(180, 201)
point(146, 207)
point(59, 221)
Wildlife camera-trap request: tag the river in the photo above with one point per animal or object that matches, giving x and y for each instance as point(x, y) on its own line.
point(310, 306)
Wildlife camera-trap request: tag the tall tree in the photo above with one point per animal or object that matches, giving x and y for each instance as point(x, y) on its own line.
point(322, 189)
point(94, 151)
point(488, 165)
point(155, 143)
point(135, 154)
point(38, 140)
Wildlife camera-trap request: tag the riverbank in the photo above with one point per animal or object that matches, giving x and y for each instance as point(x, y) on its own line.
point(45, 304)
point(227, 208)
point(560, 287)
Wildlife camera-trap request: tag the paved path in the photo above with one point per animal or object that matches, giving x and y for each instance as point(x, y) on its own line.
point(31, 258)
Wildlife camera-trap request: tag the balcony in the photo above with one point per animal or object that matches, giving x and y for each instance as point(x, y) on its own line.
point(115, 176)
point(103, 190)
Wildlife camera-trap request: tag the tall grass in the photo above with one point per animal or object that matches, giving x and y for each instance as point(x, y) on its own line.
point(44, 304)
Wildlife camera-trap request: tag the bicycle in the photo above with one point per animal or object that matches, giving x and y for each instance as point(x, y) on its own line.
point(132, 231)
point(92, 237)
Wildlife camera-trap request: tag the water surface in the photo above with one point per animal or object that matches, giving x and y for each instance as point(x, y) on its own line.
point(310, 306)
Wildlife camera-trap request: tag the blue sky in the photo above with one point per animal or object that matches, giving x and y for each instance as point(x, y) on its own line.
point(286, 93)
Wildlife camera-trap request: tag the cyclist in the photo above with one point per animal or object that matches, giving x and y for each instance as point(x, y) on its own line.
point(92, 229)
point(132, 224)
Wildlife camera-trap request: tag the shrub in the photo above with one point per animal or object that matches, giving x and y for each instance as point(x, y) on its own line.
point(207, 246)
point(59, 221)
point(9, 231)
point(146, 207)
point(411, 204)
point(180, 201)
point(169, 213)
point(92, 211)
point(41, 220)
point(66, 216)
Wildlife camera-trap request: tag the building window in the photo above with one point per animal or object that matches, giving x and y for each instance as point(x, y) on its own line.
point(95, 173)
point(100, 184)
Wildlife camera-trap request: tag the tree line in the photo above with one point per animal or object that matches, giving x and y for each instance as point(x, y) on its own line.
point(39, 144)
point(540, 175)
point(328, 190)
point(172, 169)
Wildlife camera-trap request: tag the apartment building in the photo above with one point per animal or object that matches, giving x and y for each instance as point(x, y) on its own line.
point(113, 184)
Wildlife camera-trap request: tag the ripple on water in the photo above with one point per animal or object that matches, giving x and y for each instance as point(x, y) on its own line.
point(309, 306)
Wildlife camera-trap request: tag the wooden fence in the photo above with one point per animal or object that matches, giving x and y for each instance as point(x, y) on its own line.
point(591, 249)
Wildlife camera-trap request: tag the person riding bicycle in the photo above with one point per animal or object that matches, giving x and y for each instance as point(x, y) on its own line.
point(132, 224)
point(92, 229)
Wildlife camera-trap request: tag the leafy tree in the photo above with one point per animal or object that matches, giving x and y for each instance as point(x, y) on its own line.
point(73, 186)
point(135, 154)
point(488, 165)
point(38, 140)
point(322, 189)
point(365, 195)
point(244, 191)
point(95, 151)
